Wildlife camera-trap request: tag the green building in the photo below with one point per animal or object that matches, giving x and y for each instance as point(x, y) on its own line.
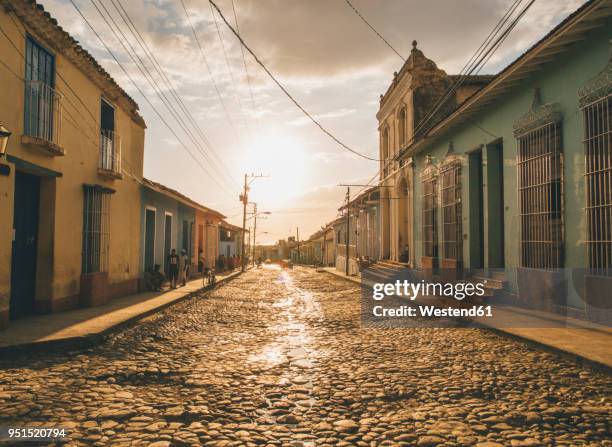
point(512, 181)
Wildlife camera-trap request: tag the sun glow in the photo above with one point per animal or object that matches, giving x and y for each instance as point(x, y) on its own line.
point(282, 158)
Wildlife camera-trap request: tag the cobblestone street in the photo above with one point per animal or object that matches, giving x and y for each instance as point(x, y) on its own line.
point(279, 357)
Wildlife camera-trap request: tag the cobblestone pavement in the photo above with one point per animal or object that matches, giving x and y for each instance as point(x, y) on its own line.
point(279, 358)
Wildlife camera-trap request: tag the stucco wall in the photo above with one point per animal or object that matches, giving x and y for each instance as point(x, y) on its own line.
point(559, 82)
point(79, 139)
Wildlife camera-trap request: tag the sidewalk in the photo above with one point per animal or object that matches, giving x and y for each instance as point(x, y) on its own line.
point(81, 327)
point(583, 340)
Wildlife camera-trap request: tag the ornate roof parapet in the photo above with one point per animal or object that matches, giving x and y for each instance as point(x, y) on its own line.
point(598, 87)
point(539, 115)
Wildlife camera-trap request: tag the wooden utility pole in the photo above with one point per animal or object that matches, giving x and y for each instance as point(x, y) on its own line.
point(244, 197)
point(254, 230)
point(348, 225)
point(297, 232)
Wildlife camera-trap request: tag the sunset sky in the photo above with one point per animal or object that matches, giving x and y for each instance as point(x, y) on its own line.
point(326, 57)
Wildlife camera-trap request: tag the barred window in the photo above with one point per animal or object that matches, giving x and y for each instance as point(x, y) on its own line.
point(96, 228)
point(598, 175)
point(450, 178)
point(540, 185)
point(429, 220)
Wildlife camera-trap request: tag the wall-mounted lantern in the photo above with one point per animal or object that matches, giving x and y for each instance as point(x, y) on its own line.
point(5, 170)
point(4, 137)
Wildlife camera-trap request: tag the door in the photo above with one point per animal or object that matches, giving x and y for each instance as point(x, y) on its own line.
point(476, 207)
point(149, 256)
point(495, 205)
point(167, 239)
point(23, 261)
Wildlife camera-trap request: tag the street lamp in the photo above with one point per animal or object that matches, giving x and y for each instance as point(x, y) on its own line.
point(4, 137)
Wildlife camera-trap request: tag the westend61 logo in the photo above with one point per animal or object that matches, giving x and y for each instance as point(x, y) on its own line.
point(411, 290)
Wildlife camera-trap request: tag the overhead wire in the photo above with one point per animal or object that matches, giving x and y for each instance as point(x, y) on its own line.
point(478, 60)
point(160, 116)
point(153, 83)
point(127, 20)
point(284, 90)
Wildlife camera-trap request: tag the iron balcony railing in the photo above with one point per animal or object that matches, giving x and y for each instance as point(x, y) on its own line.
point(43, 112)
point(110, 152)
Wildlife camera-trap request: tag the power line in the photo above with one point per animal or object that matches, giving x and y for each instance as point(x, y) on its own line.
point(152, 82)
point(374, 29)
point(246, 70)
point(210, 74)
point(143, 94)
point(476, 61)
point(231, 72)
point(284, 90)
point(168, 83)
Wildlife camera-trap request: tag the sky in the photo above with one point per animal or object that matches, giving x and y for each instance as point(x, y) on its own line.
point(240, 121)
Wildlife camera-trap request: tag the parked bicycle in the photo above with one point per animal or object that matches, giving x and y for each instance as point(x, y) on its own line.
point(209, 278)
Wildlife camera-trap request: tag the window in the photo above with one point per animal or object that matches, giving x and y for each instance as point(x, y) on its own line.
point(41, 102)
point(385, 152)
point(540, 184)
point(450, 190)
point(110, 144)
point(96, 227)
point(402, 127)
point(429, 184)
point(598, 175)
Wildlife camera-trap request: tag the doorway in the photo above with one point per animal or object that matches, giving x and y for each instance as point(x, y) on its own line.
point(23, 260)
point(167, 239)
point(149, 251)
point(495, 205)
point(476, 209)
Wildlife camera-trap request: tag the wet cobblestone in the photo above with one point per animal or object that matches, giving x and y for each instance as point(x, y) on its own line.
point(280, 358)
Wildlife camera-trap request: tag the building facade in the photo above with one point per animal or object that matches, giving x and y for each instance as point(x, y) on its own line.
point(206, 249)
point(516, 176)
point(230, 240)
point(71, 172)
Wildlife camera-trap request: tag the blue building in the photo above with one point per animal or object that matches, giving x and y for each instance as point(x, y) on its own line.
point(168, 222)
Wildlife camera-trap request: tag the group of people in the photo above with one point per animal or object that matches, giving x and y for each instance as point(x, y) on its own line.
point(228, 263)
point(178, 268)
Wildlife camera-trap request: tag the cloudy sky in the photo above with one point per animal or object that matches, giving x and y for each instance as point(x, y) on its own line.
point(326, 57)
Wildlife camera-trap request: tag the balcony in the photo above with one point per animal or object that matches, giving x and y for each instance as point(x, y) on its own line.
point(43, 118)
point(109, 164)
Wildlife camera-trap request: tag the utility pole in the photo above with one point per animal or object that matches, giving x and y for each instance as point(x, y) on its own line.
point(254, 230)
point(297, 232)
point(348, 225)
point(244, 198)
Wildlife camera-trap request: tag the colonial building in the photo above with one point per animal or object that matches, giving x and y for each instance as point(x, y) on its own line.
point(516, 176)
point(407, 102)
point(206, 240)
point(69, 214)
point(171, 220)
point(230, 240)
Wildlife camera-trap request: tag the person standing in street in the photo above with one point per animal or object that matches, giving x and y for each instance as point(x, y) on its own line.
point(184, 267)
point(173, 268)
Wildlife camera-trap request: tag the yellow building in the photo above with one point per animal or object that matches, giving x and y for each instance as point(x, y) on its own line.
point(69, 190)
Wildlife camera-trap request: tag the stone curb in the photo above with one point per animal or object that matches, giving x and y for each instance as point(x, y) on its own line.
point(85, 341)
